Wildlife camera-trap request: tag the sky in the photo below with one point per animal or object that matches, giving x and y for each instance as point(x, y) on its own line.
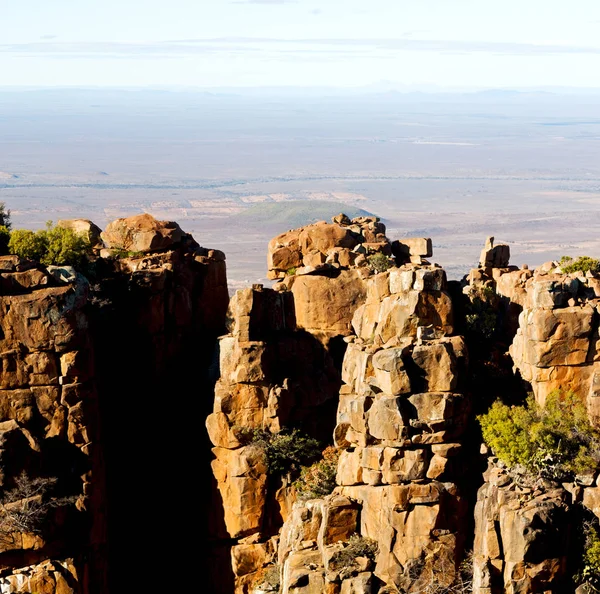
point(371, 44)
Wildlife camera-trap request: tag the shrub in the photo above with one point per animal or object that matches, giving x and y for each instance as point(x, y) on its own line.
point(5, 217)
point(590, 571)
point(379, 262)
point(285, 451)
point(358, 546)
point(269, 579)
point(51, 246)
point(555, 441)
point(291, 271)
point(65, 247)
point(481, 316)
point(4, 240)
point(26, 507)
point(318, 479)
point(27, 244)
point(582, 264)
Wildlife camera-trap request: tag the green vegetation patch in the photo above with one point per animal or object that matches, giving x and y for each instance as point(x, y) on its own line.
point(318, 479)
point(286, 451)
point(555, 441)
point(581, 264)
point(379, 262)
point(53, 246)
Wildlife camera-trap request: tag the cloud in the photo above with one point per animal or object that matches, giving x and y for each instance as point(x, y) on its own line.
point(48, 36)
point(284, 48)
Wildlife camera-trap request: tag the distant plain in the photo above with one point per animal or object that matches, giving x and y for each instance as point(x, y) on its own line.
point(235, 169)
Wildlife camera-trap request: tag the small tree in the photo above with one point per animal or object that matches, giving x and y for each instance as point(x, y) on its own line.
point(27, 244)
point(555, 440)
point(53, 246)
point(25, 508)
point(5, 217)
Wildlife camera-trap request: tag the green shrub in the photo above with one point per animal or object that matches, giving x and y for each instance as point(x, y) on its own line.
point(590, 571)
point(555, 441)
point(582, 264)
point(51, 246)
point(291, 271)
point(27, 244)
point(357, 546)
point(481, 315)
point(65, 247)
point(4, 240)
point(379, 262)
point(286, 451)
point(318, 479)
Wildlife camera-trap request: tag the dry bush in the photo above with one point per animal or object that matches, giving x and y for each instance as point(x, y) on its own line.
point(25, 508)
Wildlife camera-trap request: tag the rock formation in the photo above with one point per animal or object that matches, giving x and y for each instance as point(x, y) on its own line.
point(361, 344)
point(400, 418)
point(85, 368)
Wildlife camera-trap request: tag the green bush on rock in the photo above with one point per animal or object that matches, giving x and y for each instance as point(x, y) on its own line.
point(581, 264)
point(318, 479)
point(51, 246)
point(554, 441)
point(286, 451)
point(379, 262)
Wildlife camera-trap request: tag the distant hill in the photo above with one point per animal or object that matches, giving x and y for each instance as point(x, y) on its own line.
point(289, 215)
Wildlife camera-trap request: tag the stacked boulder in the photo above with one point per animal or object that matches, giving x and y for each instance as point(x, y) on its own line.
point(272, 376)
point(324, 247)
point(400, 418)
point(328, 264)
point(556, 345)
point(523, 535)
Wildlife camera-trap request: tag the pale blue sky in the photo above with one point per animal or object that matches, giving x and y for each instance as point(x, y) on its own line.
point(337, 43)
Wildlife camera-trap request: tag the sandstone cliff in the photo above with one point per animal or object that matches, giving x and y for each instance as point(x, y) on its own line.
point(86, 372)
point(361, 345)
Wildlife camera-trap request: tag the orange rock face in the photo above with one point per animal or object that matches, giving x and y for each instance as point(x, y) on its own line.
point(141, 233)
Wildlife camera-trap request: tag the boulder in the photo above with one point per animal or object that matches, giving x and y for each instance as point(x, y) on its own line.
point(83, 227)
point(142, 233)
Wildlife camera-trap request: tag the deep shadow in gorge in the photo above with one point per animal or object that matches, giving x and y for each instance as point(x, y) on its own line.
point(154, 394)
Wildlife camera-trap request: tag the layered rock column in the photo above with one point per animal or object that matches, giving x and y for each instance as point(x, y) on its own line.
point(400, 418)
point(556, 345)
point(272, 376)
point(522, 536)
point(49, 429)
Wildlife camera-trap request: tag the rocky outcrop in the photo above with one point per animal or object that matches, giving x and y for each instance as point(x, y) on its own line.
point(87, 370)
point(49, 432)
point(273, 375)
point(556, 344)
point(400, 418)
point(323, 246)
point(523, 536)
point(142, 233)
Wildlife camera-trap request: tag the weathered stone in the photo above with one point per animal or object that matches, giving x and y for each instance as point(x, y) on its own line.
point(141, 233)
